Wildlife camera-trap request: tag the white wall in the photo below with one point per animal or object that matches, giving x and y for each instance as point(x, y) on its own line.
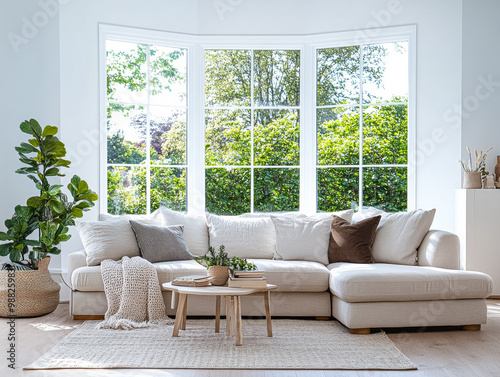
point(481, 63)
point(29, 89)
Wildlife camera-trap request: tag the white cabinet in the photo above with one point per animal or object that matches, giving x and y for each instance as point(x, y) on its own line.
point(478, 226)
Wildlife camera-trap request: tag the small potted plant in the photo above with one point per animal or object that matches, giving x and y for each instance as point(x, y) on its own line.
point(219, 263)
point(474, 171)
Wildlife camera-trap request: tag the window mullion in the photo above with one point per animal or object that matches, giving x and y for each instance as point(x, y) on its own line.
point(148, 131)
point(196, 131)
point(361, 101)
point(308, 185)
point(252, 119)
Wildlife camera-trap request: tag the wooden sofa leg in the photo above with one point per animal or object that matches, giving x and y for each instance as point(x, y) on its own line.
point(325, 318)
point(359, 331)
point(471, 327)
point(88, 317)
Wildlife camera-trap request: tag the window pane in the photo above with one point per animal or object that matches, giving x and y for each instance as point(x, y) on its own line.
point(338, 136)
point(338, 188)
point(168, 135)
point(338, 75)
point(126, 139)
point(385, 72)
point(167, 76)
point(276, 137)
point(168, 188)
point(385, 135)
point(385, 188)
point(227, 77)
point(126, 66)
point(126, 190)
point(227, 191)
point(227, 137)
point(276, 190)
point(276, 77)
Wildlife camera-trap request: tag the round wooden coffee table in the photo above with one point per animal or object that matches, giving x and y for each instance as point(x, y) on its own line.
point(233, 306)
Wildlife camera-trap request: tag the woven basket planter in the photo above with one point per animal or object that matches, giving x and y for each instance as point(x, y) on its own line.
point(36, 293)
point(472, 180)
point(220, 274)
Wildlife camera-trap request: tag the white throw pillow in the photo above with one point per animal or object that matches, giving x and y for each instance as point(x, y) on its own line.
point(195, 229)
point(112, 239)
point(154, 218)
point(305, 238)
point(243, 237)
point(399, 235)
point(366, 212)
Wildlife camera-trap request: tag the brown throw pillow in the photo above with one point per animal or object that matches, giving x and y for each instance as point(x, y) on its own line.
point(352, 242)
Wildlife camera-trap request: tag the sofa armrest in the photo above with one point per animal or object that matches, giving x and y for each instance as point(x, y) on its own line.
point(440, 249)
point(76, 260)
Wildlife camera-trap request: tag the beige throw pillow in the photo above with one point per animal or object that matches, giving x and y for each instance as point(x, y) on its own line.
point(111, 239)
point(399, 235)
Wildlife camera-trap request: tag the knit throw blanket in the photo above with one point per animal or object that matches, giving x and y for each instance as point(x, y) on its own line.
point(133, 294)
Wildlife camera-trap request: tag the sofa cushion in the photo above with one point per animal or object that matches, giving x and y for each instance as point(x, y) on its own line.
point(294, 276)
point(111, 239)
point(243, 237)
point(161, 243)
point(390, 282)
point(289, 276)
point(305, 238)
point(89, 278)
point(352, 242)
point(399, 235)
point(195, 229)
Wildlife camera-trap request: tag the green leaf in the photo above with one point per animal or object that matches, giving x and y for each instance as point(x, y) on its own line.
point(15, 255)
point(51, 172)
point(29, 148)
point(23, 211)
point(55, 251)
point(4, 236)
point(5, 249)
point(83, 186)
point(33, 178)
point(26, 128)
point(34, 142)
point(90, 197)
point(49, 131)
point(57, 206)
point(36, 127)
point(62, 162)
point(31, 243)
point(77, 212)
point(35, 202)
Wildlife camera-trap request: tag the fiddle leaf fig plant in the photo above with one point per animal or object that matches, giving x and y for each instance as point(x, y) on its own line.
point(50, 212)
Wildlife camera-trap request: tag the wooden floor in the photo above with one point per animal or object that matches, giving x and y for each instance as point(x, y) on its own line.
point(437, 352)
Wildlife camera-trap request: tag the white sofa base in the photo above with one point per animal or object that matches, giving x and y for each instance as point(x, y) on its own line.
point(289, 304)
point(365, 315)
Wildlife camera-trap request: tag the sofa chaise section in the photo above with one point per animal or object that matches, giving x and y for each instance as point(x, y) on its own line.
point(376, 295)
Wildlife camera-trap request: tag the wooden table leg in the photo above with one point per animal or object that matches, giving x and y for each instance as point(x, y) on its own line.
point(179, 316)
point(239, 328)
point(217, 313)
point(229, 314)
point(267, 303)
point(183, 327)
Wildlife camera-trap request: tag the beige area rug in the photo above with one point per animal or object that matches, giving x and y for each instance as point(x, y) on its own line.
point(296, 344)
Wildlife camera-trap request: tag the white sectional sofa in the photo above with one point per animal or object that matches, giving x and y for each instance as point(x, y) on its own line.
point(434, 292)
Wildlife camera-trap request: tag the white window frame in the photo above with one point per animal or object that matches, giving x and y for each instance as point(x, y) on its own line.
point(195, 138)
